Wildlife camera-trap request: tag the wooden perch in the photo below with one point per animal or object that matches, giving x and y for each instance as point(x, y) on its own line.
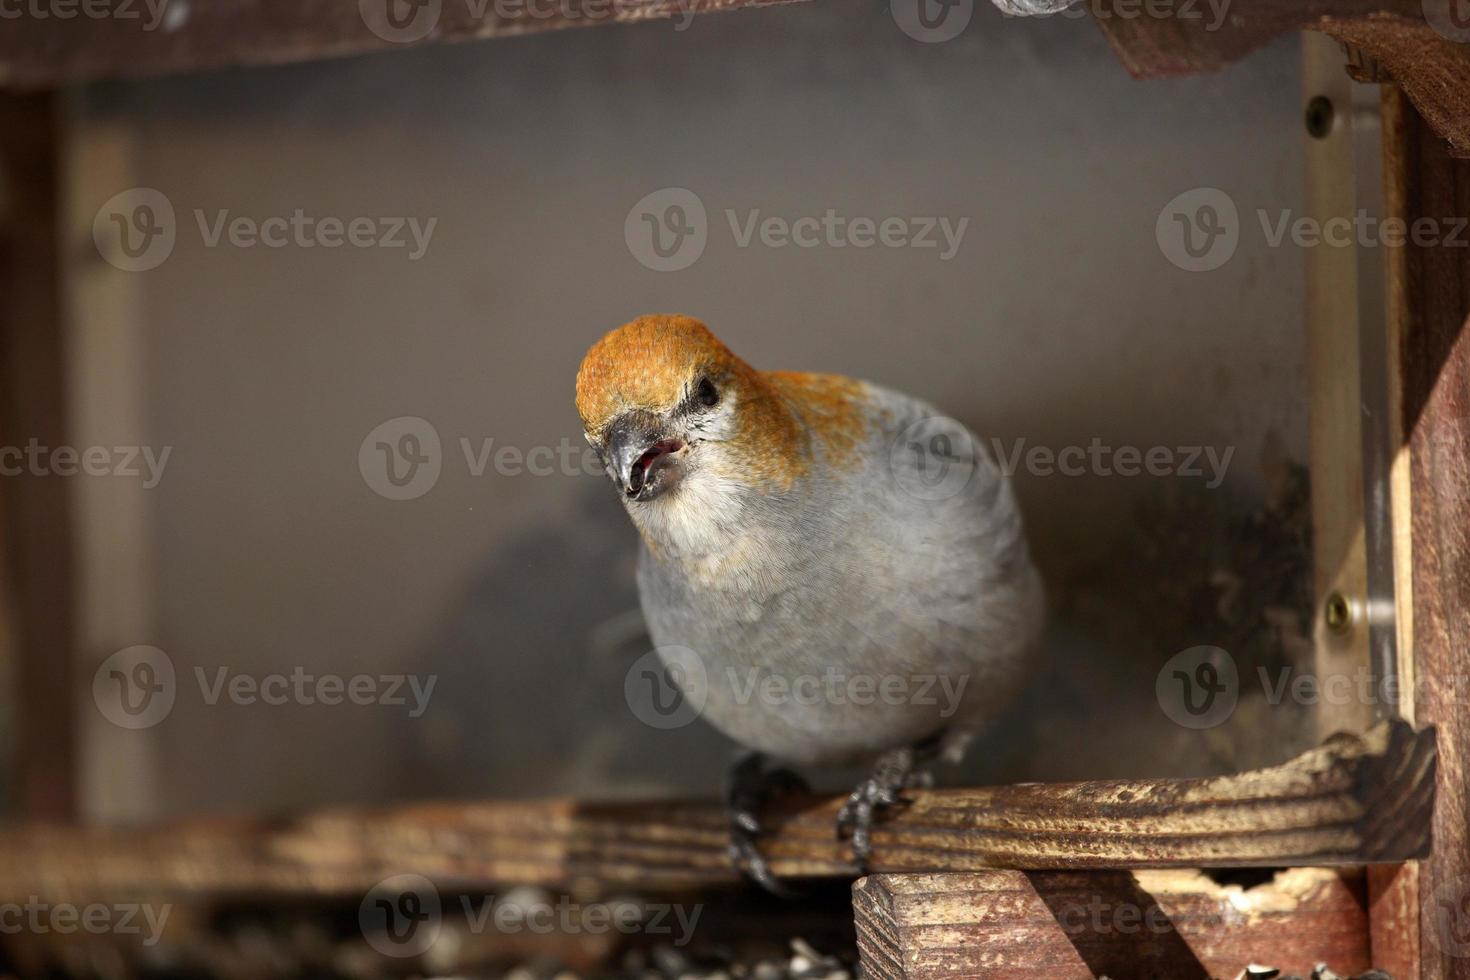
point(1355, 800)
point(1076, 925)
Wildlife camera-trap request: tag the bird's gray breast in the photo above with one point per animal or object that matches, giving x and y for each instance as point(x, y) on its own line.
point(869, 607)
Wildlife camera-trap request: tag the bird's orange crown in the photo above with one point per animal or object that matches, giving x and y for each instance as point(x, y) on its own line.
point(652, 362)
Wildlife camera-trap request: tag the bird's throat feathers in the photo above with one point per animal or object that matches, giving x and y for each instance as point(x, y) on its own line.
point(790, 426)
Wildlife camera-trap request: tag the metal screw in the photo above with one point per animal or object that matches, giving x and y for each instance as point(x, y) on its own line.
point(1338, 613)
point(1319, 116)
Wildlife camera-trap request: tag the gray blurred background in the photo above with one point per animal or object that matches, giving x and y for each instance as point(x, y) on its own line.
point(1059, 320)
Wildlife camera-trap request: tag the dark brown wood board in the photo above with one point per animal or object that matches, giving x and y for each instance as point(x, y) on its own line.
point(1077, 925)
point(1355, 800)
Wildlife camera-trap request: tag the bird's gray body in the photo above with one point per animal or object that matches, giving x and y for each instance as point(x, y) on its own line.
point(879, 601)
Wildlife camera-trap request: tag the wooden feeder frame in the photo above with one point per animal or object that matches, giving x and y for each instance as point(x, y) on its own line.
point(969, 882)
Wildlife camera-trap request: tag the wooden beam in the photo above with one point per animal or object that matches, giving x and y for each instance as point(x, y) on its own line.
point(1430, 302)
point(1077, 925)
point(1355, 800)
point(1433, 69)
point(156, 37)
point(35, 526)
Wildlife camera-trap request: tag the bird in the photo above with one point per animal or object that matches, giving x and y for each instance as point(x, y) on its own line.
point(834, 571)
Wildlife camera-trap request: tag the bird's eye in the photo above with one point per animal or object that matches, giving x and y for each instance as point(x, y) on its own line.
point(706, 393)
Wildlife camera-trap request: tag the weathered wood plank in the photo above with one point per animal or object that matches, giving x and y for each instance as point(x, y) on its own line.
point(36, 520)
point(1430, 294)
point(1354, 800)
point(1432, 68)
point(1077, 925)
point(132, 38)
point(1393, 912)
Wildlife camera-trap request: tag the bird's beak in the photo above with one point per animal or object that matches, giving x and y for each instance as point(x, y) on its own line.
point(641, 455)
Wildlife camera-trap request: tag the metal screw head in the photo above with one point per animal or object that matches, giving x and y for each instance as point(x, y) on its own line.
point(1319, 116)
point(1337, 612)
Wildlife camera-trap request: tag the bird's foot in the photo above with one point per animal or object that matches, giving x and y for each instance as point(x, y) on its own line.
point(894, 772)
point(750, 788)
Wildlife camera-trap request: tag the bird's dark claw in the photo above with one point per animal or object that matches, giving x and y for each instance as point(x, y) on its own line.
point(750, 788)
point(893, 773)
